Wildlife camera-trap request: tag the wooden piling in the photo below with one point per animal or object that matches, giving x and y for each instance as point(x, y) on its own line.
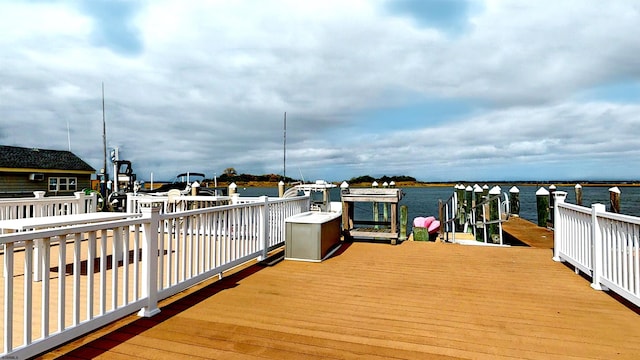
point(376, 209)
point(281, 188)
point(614, 200)
point(552, 189)
point(514, 201)
point(479, 229)
point(460, 205)
point(578, 188)
point(542, 203)
point(404, 216)
point(494, 233)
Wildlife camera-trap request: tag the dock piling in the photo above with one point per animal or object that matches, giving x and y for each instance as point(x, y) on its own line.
point(514, 201)
point(542, 202)
point(614, 199)
point(578, 188)
point(404, 215)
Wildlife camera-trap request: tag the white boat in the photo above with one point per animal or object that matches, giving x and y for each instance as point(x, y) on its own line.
point(319, 193)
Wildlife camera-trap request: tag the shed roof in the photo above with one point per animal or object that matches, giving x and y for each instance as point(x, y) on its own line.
point(34, 158)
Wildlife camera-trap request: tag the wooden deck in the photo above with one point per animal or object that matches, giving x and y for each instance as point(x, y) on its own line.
point(416, 300)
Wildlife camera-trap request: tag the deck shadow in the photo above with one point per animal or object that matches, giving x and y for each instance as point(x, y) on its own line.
point(136, 327)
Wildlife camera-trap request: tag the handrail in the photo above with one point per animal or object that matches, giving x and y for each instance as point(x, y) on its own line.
point(491, 224)
point(449, 217)
point(483, 216)
point(138, 262)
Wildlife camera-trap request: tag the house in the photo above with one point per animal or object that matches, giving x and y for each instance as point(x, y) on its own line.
point(25, 170)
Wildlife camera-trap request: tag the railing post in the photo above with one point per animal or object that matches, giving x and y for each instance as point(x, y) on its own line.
point(596, 243)
point(81, 206)
point(38, 209)
point(151, 214)
point(264, 228)
point(559, 197)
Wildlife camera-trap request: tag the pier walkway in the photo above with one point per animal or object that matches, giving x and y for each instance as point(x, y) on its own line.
point(518, 230)
point(416, 300)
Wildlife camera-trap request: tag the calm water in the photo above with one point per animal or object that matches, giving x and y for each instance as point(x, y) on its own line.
point(424, 201)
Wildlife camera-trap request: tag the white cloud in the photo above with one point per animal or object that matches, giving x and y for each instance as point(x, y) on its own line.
point(211, 81)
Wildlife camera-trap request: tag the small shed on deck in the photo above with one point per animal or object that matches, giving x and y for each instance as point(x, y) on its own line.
point(25, 170)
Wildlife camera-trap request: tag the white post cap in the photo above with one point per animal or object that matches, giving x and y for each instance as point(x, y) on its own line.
point(542, 191)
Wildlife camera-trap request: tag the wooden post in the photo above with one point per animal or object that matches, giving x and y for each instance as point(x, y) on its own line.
point(347, 213)
point(385, 206)
point(578, 188)
point(542, 202)
point(232, 188)
point(514, 201)
point(459, 189)
point(468, 200)
point(478, 226)
point(494, 232)
point(404, 215)
point(614, 199)
point(441, 218)
point(376, 209)
point(281, 188)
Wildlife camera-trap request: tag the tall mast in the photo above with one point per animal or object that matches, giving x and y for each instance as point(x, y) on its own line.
point(104, 139)
point(285, 147)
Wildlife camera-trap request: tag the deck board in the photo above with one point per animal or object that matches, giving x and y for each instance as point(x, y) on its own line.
point(371, 300)
point(518, 230)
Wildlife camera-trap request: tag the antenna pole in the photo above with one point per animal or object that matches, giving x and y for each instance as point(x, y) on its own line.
point(285, 146)
point(68, 136)
point(104, 140)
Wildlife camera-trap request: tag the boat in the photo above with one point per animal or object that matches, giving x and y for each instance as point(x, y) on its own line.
point(320, 195)
point(185, 182)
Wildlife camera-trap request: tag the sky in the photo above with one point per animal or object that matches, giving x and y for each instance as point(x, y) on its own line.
point(441, 90)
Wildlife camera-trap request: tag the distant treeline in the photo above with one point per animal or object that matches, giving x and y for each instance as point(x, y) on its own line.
point(230, 176)
point(256, 178)
point(384, 178)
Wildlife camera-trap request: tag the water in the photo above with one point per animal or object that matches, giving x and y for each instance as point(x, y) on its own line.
point(423, 201)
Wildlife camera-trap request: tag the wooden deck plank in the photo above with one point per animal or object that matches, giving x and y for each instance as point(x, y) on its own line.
point(414, 300)
point(518, 230)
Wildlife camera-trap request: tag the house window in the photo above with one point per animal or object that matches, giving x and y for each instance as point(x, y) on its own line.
point(63, 184)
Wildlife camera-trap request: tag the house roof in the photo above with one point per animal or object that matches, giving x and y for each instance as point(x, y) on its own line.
point(33, 158)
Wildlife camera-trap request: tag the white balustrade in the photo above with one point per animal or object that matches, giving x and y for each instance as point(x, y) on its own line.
point(19, 208)
point(601, 244)
point(96, 273)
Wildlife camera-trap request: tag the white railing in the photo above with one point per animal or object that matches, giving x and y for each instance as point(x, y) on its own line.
point(601, 244)
point(95, 274)
point(449, 210)
point(173, 204)
point(487, 218)
point(19, 208)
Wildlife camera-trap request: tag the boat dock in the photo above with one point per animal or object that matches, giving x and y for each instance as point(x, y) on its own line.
point(416, 300)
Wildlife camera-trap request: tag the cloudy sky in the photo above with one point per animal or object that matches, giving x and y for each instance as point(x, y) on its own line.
point(442, 90)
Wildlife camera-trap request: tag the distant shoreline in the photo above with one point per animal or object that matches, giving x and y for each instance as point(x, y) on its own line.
point(417, 184)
